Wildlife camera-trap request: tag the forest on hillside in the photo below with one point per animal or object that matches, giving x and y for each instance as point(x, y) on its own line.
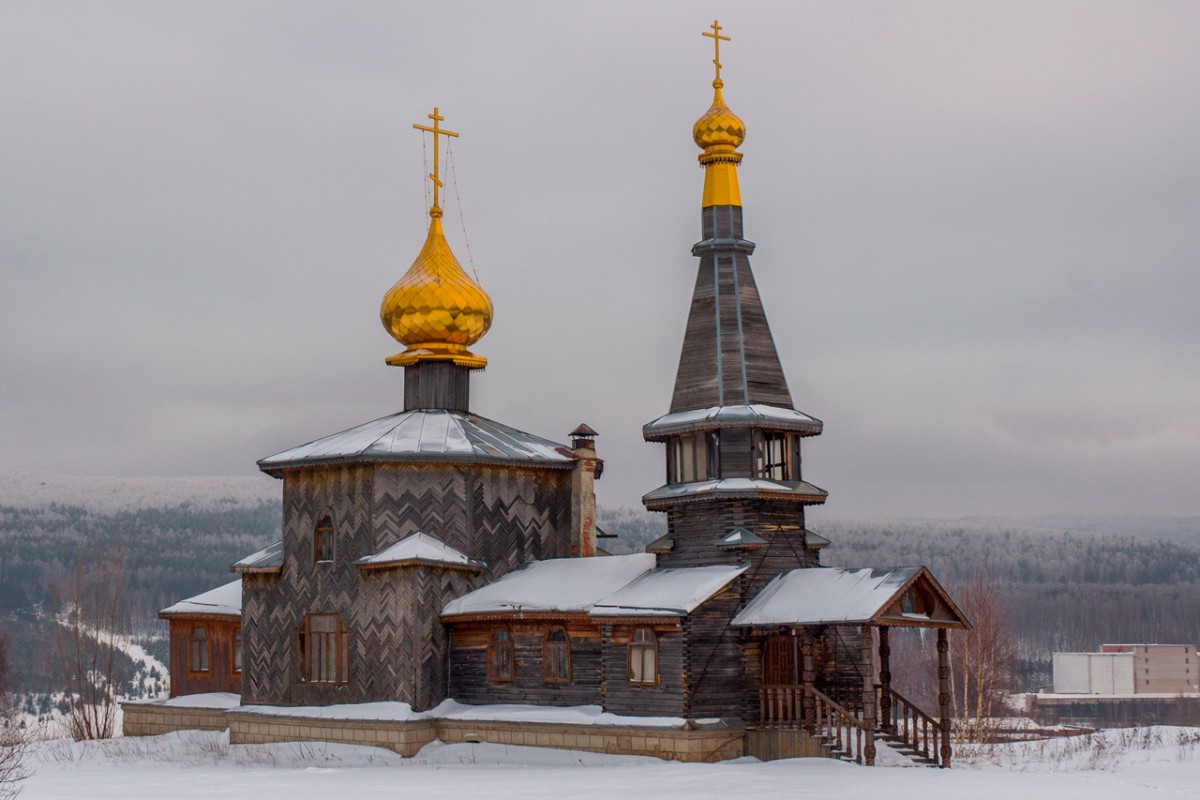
point(1060, 590)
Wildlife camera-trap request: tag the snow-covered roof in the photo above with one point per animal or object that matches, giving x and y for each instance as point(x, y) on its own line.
point(668, 592)
point(755, 415)
point(740, 537)
point(834, 596)
point(425, 435)
point(418, 548)
point(734, 487)
point(558, 584)
point(224, 601)
point(269, 559)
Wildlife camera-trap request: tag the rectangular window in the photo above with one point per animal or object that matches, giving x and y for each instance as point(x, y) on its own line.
point(198, 649)
point(500, 656)
point(774, 458)
point(323, 539)
point(322, 649)
point(643, 657)
point(693, 457)
point(556, 657)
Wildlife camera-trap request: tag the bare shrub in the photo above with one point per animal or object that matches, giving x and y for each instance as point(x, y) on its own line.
point(982, 659)
point(14, 739)
point(92, 618)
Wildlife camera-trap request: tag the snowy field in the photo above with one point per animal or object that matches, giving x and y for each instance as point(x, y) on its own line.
point(1156, 762)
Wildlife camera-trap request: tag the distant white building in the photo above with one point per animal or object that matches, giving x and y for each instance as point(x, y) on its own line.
point(1128, 669)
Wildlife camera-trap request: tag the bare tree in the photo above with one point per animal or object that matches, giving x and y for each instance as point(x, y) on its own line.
point(91, 620)
point(982, 659)
point(14, 740)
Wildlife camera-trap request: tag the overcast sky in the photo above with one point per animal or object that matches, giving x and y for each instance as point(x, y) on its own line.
point(978, 231)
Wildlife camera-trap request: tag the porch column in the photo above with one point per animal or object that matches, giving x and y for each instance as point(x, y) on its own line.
point(885, 679)
point(808, 677)
point(943, 651)
point(868, 717)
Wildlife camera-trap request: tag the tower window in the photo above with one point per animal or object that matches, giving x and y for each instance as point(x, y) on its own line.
point(556, 657)
point(643, 657)
point(323, 539)
point(693, 457)
point(500, 656)
point(198, 649)
point(776, 456)
point(322, 650)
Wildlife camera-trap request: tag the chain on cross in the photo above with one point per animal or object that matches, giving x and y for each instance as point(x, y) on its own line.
point(717, 39)
point(436, 131)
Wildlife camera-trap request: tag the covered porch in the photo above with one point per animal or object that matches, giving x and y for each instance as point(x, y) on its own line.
point(823, 637)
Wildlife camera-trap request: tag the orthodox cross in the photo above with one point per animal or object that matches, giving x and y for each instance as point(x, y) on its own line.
point(436, 131)
point(717, 39)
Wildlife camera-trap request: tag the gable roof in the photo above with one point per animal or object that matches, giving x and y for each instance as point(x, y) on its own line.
point(223, 601)
point(416, 549)
point(831, 596)
point(425, 435)
point(559, 584)
point(674, 591)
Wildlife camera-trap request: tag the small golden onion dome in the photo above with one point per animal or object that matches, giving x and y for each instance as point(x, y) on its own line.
point(719, 127)
point(436, 310)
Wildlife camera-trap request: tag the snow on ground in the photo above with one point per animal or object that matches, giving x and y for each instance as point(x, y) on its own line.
point(1155, 762)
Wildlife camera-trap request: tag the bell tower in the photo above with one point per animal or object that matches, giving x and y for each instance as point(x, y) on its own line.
point(734, 490)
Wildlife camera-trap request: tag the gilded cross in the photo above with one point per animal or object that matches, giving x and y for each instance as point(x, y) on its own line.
point(717, 39)
point(436, 131)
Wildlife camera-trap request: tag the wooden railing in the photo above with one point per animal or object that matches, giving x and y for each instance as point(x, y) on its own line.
point(781, 705)
point(841, 730)
point(903, 719)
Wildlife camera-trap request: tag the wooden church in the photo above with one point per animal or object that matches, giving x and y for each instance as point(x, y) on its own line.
point(436, 554)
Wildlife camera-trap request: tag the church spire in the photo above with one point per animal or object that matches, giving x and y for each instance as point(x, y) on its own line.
point(436, 310)
point(729, 356)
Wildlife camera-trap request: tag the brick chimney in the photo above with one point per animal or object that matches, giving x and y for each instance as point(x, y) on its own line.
point(583, 491)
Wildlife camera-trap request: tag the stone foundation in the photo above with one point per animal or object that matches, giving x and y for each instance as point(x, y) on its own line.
point(139, 719)
point(703, 744)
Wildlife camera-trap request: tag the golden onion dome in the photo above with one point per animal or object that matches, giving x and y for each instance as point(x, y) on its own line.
point(719, 127)
point(436, 310)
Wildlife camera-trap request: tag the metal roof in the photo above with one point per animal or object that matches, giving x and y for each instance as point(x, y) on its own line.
point(223, 601)
point(757, 415)
point(740, 537)
point(418, 548)
point(833, 596)
point(425, 435)
point(734, 487)
point(269, 559)
point(674, 591)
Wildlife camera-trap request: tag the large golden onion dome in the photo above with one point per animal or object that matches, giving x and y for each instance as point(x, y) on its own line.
point(719, 129)
point(436, 310)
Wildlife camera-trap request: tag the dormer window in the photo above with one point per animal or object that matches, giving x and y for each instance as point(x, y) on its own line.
point(693, 457)
point(776, 456)
point(323, 539)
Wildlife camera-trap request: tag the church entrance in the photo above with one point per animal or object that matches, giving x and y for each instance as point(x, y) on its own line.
point(780, 662)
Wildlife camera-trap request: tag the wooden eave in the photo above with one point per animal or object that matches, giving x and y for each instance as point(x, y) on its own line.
point(278, 470)
point(257, 570)
point(195, 615)
point(890, 615)
point(514, 615)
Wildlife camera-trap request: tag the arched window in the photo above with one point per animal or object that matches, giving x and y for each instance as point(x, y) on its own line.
point(237, 650)
point(198, 649)
point(500, 656)
point(643, 657)
point(556, 657)
point(321, 649)
point(323, 539)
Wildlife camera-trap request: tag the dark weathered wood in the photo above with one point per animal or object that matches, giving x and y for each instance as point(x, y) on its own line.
point(943, 651)
point(667, 697)
point(869, 710)
point(437, 384)
point(885, 676)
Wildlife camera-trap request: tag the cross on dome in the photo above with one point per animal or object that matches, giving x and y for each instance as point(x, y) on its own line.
point(717, 39)
point(436, 131)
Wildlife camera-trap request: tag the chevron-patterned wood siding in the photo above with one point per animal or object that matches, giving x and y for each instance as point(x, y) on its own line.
point(398, 648)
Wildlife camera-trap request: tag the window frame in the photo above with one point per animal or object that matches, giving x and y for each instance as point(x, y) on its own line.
point(776, 455)
point(501, 641)
point(694, 457)
point(549, 646)
point(324, 540)
point(204, 639)
point(310, 642)
point(235, 652)
point(640, 645)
